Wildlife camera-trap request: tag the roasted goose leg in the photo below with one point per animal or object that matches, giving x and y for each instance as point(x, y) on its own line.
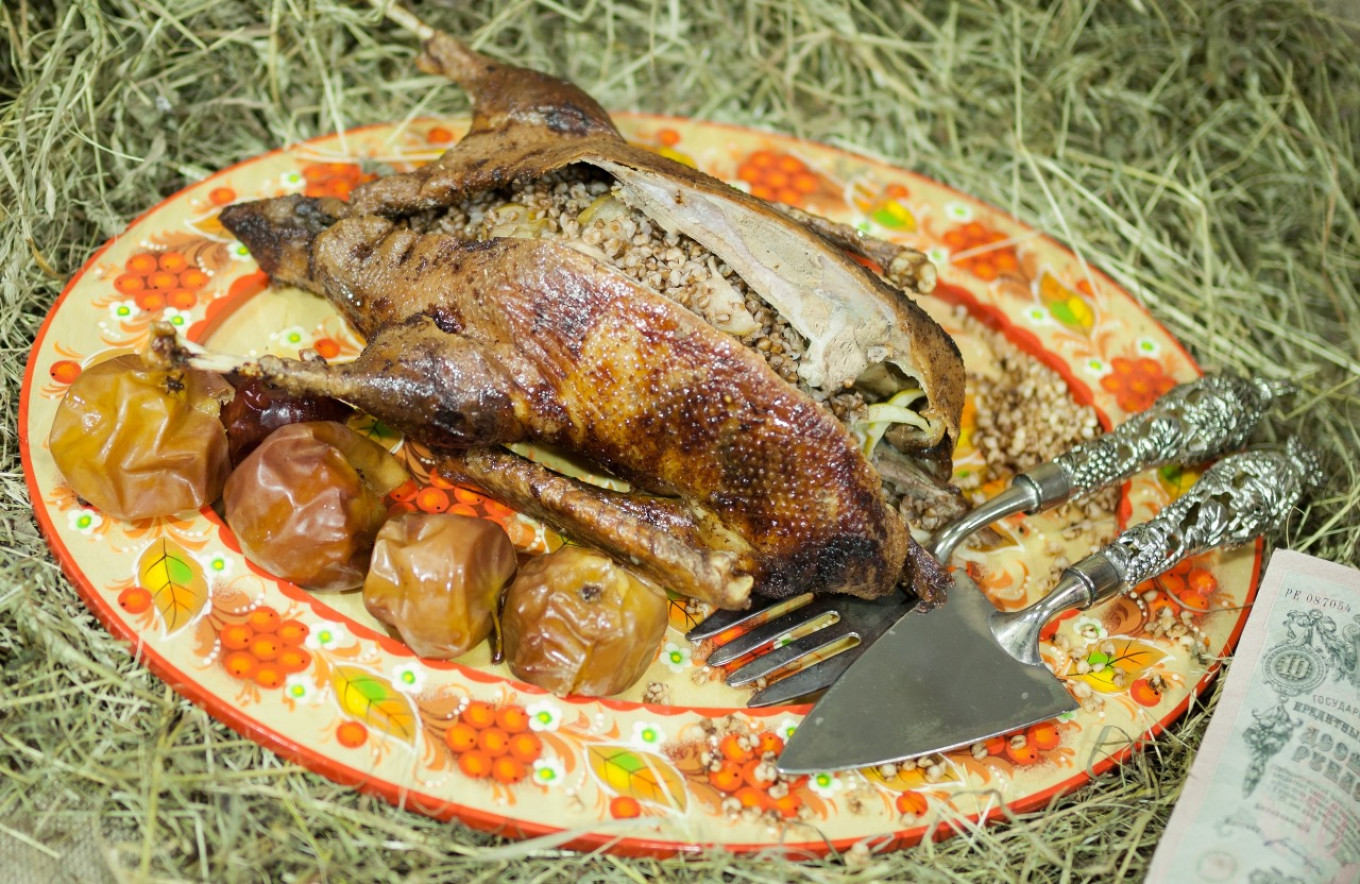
point(497, 341)
point(676, 545)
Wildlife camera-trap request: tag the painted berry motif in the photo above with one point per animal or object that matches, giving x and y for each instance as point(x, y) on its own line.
point(982, 251)
point(65, 371)
point(1044, 736)
point(1136, 383)
point(439, 135)
point(327, 348)
point(264, 648)
point(624, 807)
point(496, 743)
point(1022, 748)
point(442, 496)
point(333, 179)
point(780, 177)
point(1034, 746)
point(351, 734)
point(1171, 609)
point(1188, 586)
point(135, 599)
point(738, 764)
point(1147, 691)
point(911, 804)
point(221, 196)
point(158, 279)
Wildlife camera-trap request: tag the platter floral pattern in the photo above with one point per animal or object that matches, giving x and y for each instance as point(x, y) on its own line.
point(677, 763)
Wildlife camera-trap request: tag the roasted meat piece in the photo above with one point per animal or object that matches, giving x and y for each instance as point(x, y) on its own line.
point(511, 339)
point(745, 468)
point(674, 542)
point(526, 124)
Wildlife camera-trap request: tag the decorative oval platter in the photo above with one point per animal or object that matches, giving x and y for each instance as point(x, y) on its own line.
point(677, 763)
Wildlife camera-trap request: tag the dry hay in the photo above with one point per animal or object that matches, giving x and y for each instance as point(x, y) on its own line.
point(1204, 154)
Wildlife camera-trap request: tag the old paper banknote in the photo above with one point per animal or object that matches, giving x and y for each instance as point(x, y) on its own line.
point(1274, 795)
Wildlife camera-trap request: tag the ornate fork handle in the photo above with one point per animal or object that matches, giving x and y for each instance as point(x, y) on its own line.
point(1239, 498)
point(1191, 423)
point(1245, 496)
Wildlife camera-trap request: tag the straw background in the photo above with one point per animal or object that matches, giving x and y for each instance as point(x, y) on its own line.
point(1204, 154)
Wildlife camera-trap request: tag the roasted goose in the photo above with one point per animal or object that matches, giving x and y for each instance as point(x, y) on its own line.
point(526, 124)
point(743, 474)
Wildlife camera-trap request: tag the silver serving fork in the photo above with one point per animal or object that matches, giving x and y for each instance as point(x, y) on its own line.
point(810, 641)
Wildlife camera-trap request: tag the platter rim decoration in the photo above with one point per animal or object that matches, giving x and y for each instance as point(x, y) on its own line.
point(628, 836)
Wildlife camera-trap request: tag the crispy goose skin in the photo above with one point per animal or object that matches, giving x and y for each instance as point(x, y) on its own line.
point(526, 124)
point(510, 339)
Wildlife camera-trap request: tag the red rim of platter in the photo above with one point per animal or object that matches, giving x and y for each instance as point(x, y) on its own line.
point(843, 185)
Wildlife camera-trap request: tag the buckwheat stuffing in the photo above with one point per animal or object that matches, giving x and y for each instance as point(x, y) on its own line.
point(579, 204)
point(1025, 413)
point(1025, 416)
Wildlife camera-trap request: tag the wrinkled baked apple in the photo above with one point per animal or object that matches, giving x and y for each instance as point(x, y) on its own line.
point(574, 622)
point(437, 579)
point(138, 441)
point(306, 505)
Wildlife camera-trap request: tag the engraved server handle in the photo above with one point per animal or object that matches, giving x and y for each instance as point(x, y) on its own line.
point(1239, 498)
point(1191, 423)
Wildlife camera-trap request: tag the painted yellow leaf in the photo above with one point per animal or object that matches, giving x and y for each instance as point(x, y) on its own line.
point(641, 775)
point(1066, 306)
point(210, 224)
point(1131, 657)
point(366, 425)
point(884, 205)
point(175, 581)
point(894, 215)
point(372, 699)
point(1175, 479)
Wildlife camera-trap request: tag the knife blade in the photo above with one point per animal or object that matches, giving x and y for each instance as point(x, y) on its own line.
point(967, 672)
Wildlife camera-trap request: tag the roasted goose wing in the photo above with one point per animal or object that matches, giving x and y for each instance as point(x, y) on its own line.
point(672, 542)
